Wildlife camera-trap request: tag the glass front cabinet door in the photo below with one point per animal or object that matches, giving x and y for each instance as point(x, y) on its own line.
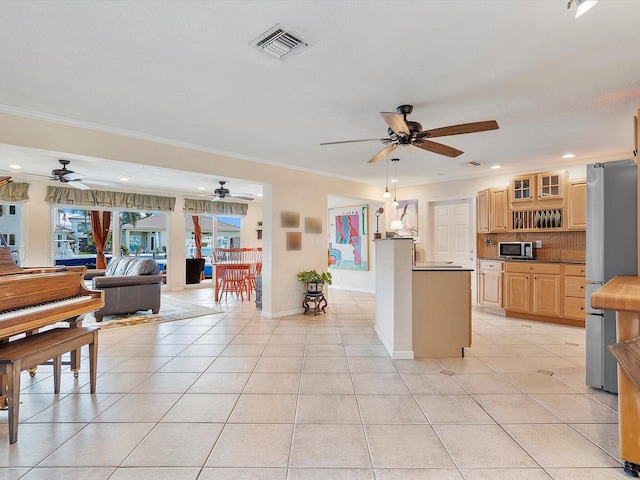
point(551, 186)
point(522, 188)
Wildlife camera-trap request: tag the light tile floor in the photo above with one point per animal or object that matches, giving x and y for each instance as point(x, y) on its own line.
point(236, 396)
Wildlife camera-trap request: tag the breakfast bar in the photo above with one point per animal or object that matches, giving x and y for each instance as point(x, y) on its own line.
point(422, 310)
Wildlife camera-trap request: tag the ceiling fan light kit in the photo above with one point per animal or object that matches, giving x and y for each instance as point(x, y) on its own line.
point(403, 132)
point(582, 6)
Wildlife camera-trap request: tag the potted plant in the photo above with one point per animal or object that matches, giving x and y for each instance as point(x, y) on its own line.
point(314, 281)
point(259, 230)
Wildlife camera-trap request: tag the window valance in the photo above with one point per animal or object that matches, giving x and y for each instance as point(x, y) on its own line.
point(101, 198)
point(14, 192)
point(215, 208)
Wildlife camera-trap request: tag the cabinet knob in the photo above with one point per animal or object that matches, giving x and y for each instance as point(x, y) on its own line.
point(582, 287)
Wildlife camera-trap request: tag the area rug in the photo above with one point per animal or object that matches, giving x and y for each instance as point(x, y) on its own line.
point(171, 310)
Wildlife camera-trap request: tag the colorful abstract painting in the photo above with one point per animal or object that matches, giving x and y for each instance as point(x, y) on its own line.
point(348, 246)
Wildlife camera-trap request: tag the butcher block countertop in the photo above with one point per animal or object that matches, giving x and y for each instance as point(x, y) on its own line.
point(619, 293)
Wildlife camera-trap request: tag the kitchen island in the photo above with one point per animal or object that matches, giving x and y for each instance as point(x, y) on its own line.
point(422, 310)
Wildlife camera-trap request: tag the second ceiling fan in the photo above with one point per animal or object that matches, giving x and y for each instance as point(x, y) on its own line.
point(403, 132)
point(222, 192)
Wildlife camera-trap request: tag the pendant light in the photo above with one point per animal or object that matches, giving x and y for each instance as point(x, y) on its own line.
point(386, 193)
point(395, 180)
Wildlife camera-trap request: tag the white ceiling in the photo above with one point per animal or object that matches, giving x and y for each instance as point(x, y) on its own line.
point(184, 71)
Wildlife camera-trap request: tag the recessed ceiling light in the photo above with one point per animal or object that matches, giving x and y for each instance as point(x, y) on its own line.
point(17, 167)
point(568, 155)
point(124, 179)
point(495, 167)
point(201, 188)
point(395, 180)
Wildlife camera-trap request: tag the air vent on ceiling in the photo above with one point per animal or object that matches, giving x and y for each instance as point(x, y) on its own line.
point(472, 164)
point(280, 42)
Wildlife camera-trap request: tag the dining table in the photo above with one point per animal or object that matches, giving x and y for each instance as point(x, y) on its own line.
point(220, 267)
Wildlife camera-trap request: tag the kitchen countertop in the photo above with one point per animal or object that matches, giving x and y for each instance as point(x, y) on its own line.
point(535, 260)
point(439, 266)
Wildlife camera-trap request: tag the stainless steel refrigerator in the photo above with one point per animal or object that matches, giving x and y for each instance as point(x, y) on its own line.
point(612, 250)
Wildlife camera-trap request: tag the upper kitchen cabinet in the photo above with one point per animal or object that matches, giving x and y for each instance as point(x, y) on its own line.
point(522, 188)
point(538, 190)
point(482, 211)
point(498, 210)
point(492, 209)
point(551, 185)
point(577, 205)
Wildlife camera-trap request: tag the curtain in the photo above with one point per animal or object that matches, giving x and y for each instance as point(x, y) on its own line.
point(215, 208)
point(14, 192)
point(100, 198)
point(197, 231)
point(100, 231)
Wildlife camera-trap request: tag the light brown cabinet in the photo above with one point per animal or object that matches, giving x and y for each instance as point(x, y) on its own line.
point(550, 186)
point(498, 210)
point(547, 202)
point(522, 188)
point(577, 205)
point(482, 211)
point(490, 283)
point(533, 288)
point(574, 292)
point(492, 210)
point(550, 292)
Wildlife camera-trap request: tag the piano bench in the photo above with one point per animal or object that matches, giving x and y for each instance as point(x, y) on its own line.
point(30, 351)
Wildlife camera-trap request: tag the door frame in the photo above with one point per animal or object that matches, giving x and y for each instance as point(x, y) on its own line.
point(429, 203)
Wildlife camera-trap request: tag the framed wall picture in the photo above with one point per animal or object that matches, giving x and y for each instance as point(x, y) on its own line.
point(407, 213)
point(294, 240)
point(290, 219)
point(348, 244)
point(312, 225)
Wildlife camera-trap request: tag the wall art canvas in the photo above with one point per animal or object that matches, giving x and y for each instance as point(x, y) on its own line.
point(290, 219)
point(294, 240)
point(312, 225)
point(348, 245)
point(407, 213)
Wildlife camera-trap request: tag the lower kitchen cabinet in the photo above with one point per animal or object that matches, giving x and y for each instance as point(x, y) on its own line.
point(535, 291)
point(574, 292)
point(490, 283)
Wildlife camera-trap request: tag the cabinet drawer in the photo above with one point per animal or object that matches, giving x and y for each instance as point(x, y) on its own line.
point(531, 267)
point(574, 308)
point(490, 265)
point(574, 286)
point(575, 270)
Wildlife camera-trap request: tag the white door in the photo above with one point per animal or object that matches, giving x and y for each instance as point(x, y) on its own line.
point(450, 236)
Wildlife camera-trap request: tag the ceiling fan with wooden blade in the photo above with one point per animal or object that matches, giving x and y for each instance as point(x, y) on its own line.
point(222, 192)
point(403, 132)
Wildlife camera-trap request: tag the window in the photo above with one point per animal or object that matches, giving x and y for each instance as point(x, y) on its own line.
point(73, 242)
point(11, 226)
point(227, 231)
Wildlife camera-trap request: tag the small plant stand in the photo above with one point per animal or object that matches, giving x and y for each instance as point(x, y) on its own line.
point(314, 303)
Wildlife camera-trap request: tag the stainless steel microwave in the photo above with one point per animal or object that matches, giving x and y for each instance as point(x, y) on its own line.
point(523, 250)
